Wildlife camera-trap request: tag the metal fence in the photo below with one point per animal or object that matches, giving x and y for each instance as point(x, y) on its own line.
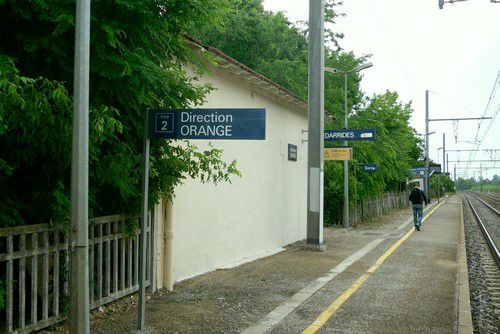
point(34, 270)
point(378, 206)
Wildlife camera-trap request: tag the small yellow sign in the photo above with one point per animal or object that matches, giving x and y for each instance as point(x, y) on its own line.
point(338, 153)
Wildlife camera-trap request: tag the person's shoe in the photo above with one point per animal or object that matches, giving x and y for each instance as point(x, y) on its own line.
point(418, 227)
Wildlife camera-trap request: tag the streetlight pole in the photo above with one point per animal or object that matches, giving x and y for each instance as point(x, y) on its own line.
point(345, 218)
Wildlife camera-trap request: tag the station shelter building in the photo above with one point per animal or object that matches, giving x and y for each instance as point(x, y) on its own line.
point(207, 227)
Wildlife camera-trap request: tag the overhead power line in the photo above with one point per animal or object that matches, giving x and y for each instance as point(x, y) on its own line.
point(477, 144)
point(442, 2)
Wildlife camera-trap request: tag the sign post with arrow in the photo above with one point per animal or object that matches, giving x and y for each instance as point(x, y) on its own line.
point(214, 124)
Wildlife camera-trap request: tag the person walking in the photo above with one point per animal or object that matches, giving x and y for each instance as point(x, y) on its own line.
point(417, 199)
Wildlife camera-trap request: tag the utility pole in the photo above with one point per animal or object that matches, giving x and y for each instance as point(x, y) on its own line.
point(315, 136)
point(447, 162)
point(427, 172)
point(346, 163)
point(444, 152)
point(481, 177)
point(79, 286)
point(427, 120)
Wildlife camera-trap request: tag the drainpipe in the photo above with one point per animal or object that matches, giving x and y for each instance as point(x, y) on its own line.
point(168, 240)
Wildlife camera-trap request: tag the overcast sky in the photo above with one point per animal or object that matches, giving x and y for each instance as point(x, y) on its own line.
point(454, 52)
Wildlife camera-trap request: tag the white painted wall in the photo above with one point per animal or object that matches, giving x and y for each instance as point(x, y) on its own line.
point(218, 226)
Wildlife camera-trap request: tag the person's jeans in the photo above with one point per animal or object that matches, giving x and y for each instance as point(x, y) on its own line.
point(417, 214)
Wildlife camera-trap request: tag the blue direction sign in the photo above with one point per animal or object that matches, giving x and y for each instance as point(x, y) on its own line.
point(350, 134)
point(370, 168)
point(244, 123)
point(419, 171)
point(436, 168)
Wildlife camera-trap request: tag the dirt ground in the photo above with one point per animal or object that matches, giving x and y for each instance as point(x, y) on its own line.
point(230, 300)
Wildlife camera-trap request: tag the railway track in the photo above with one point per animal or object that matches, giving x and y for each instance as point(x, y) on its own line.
point(482, 223)
point(488, 219)
point(493, 199)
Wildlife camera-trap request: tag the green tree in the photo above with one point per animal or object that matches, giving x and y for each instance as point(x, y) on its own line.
point(442, 184)
point(465, 184)
point(267, 43)
point(395, 150)
point(276, 48)
point(137, 61)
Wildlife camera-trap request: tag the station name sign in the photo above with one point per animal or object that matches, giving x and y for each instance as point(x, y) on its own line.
point(350, 134)
point(234, 123)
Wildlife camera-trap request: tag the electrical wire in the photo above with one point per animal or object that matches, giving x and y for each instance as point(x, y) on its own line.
point(477, 145)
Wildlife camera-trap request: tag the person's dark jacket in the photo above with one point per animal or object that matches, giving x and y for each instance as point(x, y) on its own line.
point(417, 196)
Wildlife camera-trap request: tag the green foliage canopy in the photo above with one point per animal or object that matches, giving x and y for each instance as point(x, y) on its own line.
point(137, 58)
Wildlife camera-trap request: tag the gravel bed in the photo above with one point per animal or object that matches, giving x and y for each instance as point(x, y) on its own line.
point(478, 256)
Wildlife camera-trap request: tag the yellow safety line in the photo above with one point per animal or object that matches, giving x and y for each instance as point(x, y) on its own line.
point(337, 303)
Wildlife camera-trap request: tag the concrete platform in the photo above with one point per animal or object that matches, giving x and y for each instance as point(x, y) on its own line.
point(414, 289)
point(379, 278)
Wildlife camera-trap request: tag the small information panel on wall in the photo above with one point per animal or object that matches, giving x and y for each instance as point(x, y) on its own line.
point(292, 152)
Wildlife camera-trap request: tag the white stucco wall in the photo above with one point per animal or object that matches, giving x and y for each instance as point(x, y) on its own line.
point(221, 225)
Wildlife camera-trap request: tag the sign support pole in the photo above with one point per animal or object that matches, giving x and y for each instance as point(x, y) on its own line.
point(142, 236)
point(79, 277)
point(249, 123)
point(315, 118)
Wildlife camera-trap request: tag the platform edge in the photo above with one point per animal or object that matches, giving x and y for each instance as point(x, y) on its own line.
point(464, 309)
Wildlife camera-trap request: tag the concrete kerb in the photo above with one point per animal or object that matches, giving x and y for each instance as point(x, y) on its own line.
point(146, 330)
point(464, 310)
point(313, 247)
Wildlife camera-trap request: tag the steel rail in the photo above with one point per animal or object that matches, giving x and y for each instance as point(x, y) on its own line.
point(489, 206)
point(489, 240)
point(492, 197)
